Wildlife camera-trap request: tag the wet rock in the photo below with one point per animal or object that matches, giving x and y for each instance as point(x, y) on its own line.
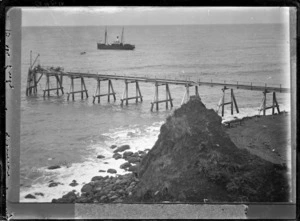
point(74, 183)
point(133, 159)
point(39, 194)
point(70, 197)
point(113, 146)
point(111, 171)
point(53, 184)
point(117, 156)
point(136, 154)
point(122, 148)
point(125, 165)
point(53, 167)
point(100, 157)
point(102, 171)
point(97, 178)
point(127, 154)
point(87, 188)
point(30, 196)
point(133, 169)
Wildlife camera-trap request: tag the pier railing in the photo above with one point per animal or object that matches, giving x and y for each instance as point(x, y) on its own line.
point(59, 73)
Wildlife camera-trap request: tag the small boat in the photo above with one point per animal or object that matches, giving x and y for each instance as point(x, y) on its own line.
point(82, 52)
point(117, 45)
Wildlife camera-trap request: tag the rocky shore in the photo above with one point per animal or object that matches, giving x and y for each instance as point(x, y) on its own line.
point(193, 160)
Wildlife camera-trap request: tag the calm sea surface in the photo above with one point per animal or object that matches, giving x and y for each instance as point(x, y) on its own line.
point(71, 134)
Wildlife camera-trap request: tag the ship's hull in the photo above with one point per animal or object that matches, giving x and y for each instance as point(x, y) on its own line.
point(115, 46)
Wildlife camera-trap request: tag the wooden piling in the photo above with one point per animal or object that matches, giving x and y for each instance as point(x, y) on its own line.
point(81, 86)
point(72, 83)
point(126, 86)
point(167, 97)
point(223, 100)
point(264, 102)
point(234, 101)
point(98, 89)
point(156, 95)
point(108, 92)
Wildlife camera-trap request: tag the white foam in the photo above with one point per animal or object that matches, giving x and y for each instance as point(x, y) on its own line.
point(138, 137)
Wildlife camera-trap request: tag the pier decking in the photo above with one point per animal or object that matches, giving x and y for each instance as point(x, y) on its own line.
point(58, 74)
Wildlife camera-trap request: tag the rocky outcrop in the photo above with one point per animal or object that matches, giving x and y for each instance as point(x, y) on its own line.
point(102, 190)
point(122, 148)
point(53, 167)
point(194, 160)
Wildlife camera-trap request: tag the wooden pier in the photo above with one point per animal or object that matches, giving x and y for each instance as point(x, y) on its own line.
point(36, 73)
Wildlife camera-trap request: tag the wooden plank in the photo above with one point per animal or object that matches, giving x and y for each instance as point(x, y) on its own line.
point(51, 89)
point(130, 98)
point(102, 95)
point(161, 101)
point(75, 92)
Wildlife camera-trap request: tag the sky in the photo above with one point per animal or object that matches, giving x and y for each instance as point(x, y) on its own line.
point(102, 16)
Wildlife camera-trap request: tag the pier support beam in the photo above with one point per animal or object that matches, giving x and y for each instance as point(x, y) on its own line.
point(263, 106)
point(232, 103)
point(58, 85)
point(156, 100)
point(97, 93)
point(186, 96)
point(83, 88)
point(138, 94)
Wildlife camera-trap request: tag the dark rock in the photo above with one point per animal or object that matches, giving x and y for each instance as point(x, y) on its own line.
point(53, 167)
point(105, 162)
point(122, 148)
point(133, 159)
point(100, 157)
point(126, 154)
point(39, 194)
point(101, 171)
point(113, 146)
point(136, 154)
point(97, 178)
point(125, 165)
point(141, 152)
point(133, 169)
point(53, 184)
point(30, 196)
point(117, 156)
point(87, 188)
point(73, 184)
point(111, 171)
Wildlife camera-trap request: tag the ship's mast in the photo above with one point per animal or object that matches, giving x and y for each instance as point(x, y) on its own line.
point(105, 36)
point(122, 36)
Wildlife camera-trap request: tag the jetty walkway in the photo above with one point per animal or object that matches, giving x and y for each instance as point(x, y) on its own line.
point(36, 73)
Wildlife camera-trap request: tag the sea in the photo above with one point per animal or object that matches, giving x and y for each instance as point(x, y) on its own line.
point(55, 131)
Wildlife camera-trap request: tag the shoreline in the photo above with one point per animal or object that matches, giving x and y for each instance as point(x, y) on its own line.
point(248, 125)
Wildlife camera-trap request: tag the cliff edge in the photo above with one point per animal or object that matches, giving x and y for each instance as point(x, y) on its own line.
point(194, 160)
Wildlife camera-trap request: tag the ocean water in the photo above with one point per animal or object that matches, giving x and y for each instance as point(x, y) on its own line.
point(72, 133)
